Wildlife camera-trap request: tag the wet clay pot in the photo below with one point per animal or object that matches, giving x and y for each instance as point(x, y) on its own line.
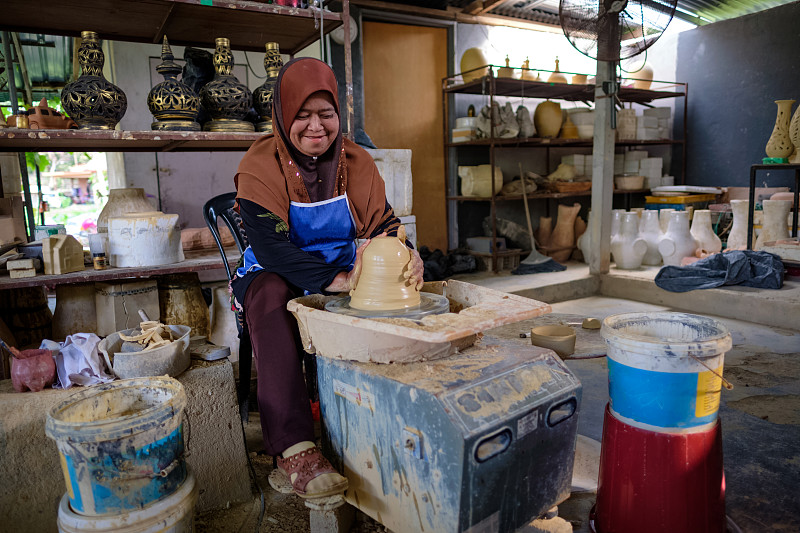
point(562, 239)
point(381, 285)
point(32, 370)
point(707, 240)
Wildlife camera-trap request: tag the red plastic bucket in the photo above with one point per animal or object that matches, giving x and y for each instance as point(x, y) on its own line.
point(659, 482)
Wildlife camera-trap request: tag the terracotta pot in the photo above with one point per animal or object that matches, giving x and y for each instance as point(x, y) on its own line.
point(779, 144)
point(562, 239)
point(707, 240)
point(32, 370)
point(677, 242)
point(774, 227)
point(737, 238)
point(548, 118)
point(122, 202)
point(627, 248)
point(381, 285)
point(650, 231)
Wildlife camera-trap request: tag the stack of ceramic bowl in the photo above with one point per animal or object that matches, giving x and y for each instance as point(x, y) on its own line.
point(584, 120)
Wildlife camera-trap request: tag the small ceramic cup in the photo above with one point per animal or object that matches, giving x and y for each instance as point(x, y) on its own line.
point(560, 339)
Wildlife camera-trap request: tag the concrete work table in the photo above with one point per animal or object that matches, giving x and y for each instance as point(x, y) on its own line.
point(194, 262)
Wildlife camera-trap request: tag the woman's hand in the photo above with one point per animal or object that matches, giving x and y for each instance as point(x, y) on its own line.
point(347, 281)
point(414, 270)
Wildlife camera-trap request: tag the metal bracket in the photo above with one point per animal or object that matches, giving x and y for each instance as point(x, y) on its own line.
point(412, 442)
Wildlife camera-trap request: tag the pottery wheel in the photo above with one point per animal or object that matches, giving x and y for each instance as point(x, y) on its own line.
point(429, 304)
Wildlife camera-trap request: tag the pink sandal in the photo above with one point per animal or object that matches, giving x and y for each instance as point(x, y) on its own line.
point(308, 465)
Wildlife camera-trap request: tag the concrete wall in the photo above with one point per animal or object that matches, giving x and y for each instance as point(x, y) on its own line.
point(735, 70)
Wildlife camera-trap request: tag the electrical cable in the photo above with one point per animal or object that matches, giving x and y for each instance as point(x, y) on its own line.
point(250, 67)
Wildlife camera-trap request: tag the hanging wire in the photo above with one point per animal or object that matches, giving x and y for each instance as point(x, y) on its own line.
point(250, 68)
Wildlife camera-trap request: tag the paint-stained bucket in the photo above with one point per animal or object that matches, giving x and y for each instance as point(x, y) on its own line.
point(173, 514)
point(121, 444)
point(664, 369)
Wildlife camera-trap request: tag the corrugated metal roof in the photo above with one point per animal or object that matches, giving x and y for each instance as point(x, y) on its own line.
point(698, 12)
point(48, 59)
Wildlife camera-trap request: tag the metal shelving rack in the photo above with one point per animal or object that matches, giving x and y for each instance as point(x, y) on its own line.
point(492, 86)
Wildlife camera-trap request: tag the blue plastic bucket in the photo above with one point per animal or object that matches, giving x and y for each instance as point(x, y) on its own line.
point(120, 444)
point(664, 369)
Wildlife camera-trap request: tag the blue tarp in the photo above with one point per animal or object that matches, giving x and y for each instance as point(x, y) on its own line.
point(741, 267)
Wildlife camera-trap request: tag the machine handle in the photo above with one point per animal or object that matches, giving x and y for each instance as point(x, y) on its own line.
point(493, 445)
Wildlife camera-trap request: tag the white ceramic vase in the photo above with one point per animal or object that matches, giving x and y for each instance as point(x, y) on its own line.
point(650, 231)
point(707, 240)
point(677, 242)
point(776, 213)
point(627, 247)
point(663, 219)
point(737, 239)
point(585, 240)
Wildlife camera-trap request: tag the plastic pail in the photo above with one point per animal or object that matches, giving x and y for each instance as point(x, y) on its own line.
point(173, 514)
point(121, 444)
point(658, 369)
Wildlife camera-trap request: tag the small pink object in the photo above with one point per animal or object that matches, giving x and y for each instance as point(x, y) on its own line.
point(32, 370)
point(783, 196)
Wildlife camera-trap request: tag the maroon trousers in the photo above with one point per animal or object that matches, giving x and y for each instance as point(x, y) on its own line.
point(283, 402)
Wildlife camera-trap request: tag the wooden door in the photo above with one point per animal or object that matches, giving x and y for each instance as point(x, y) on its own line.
point(403, 70)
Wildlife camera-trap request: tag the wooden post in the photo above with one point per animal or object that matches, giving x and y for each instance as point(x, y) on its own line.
point(602, 172)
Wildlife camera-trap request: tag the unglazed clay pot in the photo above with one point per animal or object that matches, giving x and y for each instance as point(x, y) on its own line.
point(664, 216)
point(543, 232)
point(794, 136)
point(122, 202)
point(627, 248)
point(650, 231)
point(737, 238)
point(569, 130)
point(707, 240)
point(563, 238)
point(557, 76)
point(381, 285)
point(547, 118)
point(32, 370)
point(677, 242)
point(776, 213)
point(472, 59)
point(779, 144)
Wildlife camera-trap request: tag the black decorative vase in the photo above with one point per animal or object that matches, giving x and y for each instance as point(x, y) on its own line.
point(173, 104)
point(225, 98)
point(262, 96)
point(93, 102)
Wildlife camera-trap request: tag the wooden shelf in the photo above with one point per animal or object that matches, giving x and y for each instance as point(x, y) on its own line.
point(16, 140)
point(534, 142)
point(194, 262)
point(538, 195)
point(560, 91)
point(248, 24)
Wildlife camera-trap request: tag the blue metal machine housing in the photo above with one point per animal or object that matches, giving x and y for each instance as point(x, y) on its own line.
point(482, 441)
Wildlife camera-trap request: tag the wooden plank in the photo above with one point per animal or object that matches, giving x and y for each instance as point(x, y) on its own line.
point(248, 24)
point(195, 262)
point(16, 140)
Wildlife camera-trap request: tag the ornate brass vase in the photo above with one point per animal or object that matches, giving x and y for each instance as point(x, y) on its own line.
point(173, 103)
point(93, 102)
point(262, 96)
point(225, 98)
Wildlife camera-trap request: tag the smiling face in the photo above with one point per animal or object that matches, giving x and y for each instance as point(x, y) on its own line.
point(316, 125)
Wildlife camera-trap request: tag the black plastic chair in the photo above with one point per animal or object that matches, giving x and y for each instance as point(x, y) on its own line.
point(222, 207)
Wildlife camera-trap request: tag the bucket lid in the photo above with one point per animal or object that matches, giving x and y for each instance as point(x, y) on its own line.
point(124, 425)
point(667, 333)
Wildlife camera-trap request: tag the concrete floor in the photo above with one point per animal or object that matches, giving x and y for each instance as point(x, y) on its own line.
point(760, 416)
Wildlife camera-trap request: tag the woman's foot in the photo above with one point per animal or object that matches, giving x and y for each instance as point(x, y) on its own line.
point(312, 476)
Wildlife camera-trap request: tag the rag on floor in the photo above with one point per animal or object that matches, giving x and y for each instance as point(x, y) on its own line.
point(762, 270)
point(78, 361)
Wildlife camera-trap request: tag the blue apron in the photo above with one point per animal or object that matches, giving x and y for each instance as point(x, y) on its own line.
point(324, 229)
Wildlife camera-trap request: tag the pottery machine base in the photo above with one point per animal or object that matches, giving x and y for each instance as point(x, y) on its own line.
point(429, 304)
point(480, 441)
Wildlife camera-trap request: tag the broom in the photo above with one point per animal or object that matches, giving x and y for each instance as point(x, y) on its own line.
point(535, 262)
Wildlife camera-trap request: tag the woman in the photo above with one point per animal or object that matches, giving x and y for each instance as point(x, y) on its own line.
point(304, 194)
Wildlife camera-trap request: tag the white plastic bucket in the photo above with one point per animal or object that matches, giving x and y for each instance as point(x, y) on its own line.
point(660, 366)
point(173, 514)
point(121, 444)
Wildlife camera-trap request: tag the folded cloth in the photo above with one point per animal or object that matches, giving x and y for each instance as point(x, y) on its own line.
point(79, 363)
point(740, 267)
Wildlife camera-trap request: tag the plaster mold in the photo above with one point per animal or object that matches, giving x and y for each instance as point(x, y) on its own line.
point(677, 242)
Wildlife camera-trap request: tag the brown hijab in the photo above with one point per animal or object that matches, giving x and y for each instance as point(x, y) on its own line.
point(273, 173)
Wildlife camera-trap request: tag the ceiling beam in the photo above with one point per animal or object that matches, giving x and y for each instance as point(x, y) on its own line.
point(479, 7)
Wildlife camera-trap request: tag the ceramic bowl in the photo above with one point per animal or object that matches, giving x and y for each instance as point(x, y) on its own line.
point(585, 131)
point(628, 183)
point(560, 339)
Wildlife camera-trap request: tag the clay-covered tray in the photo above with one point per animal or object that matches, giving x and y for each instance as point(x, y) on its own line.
point(473, 309)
